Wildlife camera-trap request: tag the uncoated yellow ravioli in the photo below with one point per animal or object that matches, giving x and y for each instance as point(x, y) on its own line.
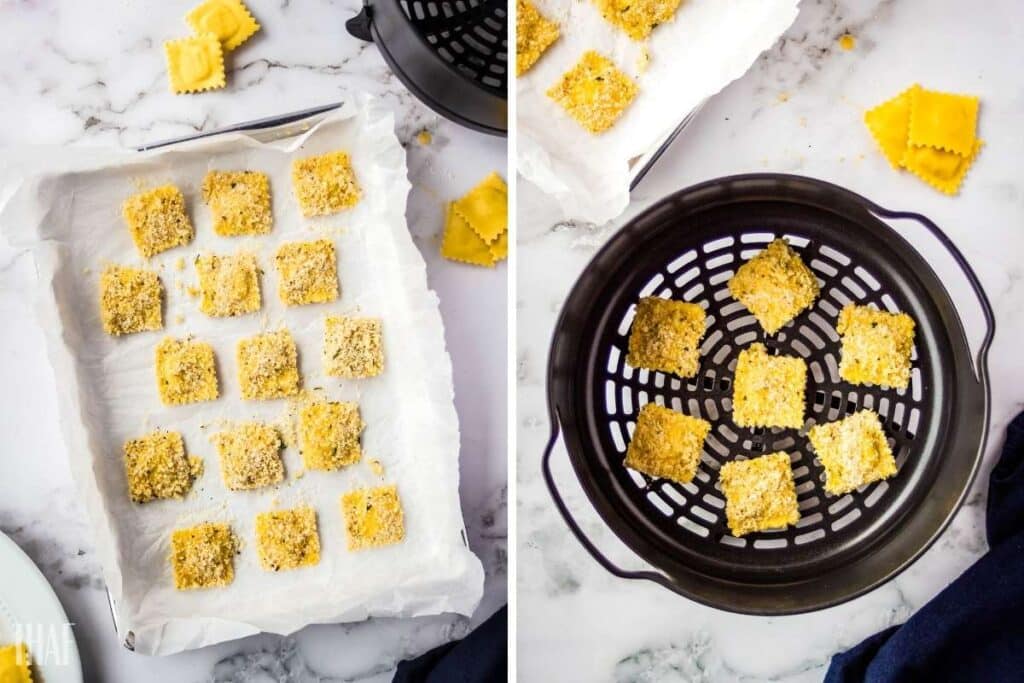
point(534, 35)
point(889, 124)
point(195, 64)
point(329, 435)
point(373, 517)
point(239, 202)
point(666, 336)
point(485, 208)
point(157, 220)
point(186, 371)
point(325, 184)
point(461, 243)
point(250, 456)
point(229, 20)
point(287, 539)
point(760, 493)
point(157, 467)
point(15, 664)
point(307, 272)
point(940, 168)
point(667, 444)
point(637, 17)
point(203, 556)
point(943, 120)
point(130, 300)
point(594, 92)
point(268, 366)
point(230, 285)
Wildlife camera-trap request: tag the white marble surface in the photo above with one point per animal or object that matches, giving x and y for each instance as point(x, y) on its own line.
point(92, 73)
point(798, 110)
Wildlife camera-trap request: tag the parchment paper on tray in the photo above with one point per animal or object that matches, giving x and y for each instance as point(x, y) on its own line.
point(66, 204)
point(709, 44)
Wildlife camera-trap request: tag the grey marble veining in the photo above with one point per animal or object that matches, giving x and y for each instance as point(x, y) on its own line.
point(92, 73)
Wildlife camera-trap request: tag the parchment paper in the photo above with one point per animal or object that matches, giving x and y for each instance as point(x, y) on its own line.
point(709, 44)
point(66, 205)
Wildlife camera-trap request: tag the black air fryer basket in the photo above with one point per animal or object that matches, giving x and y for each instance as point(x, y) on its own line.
point(686, 247)
point(452, 54)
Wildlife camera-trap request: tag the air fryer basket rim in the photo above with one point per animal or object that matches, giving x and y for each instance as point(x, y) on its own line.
point(878, 559)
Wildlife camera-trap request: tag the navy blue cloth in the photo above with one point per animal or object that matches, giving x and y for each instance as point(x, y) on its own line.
point(974, 629)
point(480, 657)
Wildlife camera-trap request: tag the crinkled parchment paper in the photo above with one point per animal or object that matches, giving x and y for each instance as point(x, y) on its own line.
point(709, 44)
point(66, 205)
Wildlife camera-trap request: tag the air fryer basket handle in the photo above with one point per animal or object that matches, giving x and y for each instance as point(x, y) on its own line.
point(981, 359)
point(603, 560)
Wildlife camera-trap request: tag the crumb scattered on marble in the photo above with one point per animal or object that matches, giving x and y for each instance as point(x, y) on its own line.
point(847, 42)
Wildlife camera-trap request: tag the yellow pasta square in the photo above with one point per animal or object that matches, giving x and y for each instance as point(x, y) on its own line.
point(485, 208)
point(876, 346)
point(768, 391)
point(15, 664)
point(307, 272)
point(939, 168)
point(594, 92)
point(239, 202)
point(637, 17)
point(461, 243)
point(759, 494)
point(666, 336)
point(157, 220)
point(229, 20)
point(499, 247)
point(203, 556)
point(325, 184)
point(775, 286)
point(943, 120)
point(228, 285)
point(854, 452)
point(373, 517)
point(157, 467)
point(889, 124)
point(287, 539)
point(534, 35)
point(329, 435)
point(186, 371)
point(195, 64)
point(353, 347)
point(268, 366)
point(667, 444)
point(131, 300)
point(250, 456)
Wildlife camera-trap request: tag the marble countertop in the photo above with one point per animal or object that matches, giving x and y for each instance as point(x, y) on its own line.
point(798, 110)
point(92, 73)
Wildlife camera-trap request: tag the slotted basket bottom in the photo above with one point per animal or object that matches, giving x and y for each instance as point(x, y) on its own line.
point(686, 248)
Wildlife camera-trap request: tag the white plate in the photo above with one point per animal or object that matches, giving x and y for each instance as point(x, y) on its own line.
point(30, 612)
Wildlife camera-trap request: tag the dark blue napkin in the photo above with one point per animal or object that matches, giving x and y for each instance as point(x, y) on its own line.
point(480, 657)
point(974, 629)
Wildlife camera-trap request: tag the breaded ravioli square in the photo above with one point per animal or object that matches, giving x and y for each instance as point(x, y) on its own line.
point(373, 517)
point(157, 220)
point(876, 346)
point(666, 336)
point(353, 347)
point(854, 451)
point(157, 467)
point(228, 285)
point(760, 493)
point(203, 556)
point(307, 272)
point(186, 371)
point(534, 35)
point(594, 92)
point(775, 285)
point(637, 18)
point(329, 434)
point(239, 202)
point(325, 184)
point(268, 366)
point(769, 391)
point(131, 300)
point(287, 539)
point(667, 444)
point(250, 456)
